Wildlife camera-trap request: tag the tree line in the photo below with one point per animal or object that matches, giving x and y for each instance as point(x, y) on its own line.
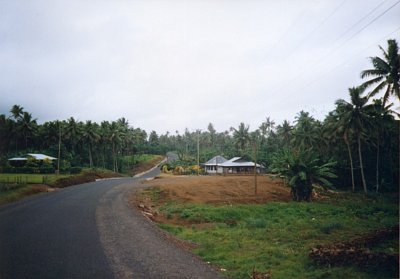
point(358, 140)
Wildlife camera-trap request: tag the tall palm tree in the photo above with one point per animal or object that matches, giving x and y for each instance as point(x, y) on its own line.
point(355, 116)
point(116, 137)
point(72, 133)
point(306, 132)
point(241, 137)
point(17, 112)
point(382, 117)
point(385, 72)
point(337, 127)
point(90, 136)
point(284, 132)
point(27, 126)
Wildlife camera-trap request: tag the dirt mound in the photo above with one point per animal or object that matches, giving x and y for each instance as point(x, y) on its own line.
point(221, 189)
point(85, 177)
point(357, 252)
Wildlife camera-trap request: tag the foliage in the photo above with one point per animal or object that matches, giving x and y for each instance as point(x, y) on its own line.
point(277, 237)
point(301, 169)
point(360, 134)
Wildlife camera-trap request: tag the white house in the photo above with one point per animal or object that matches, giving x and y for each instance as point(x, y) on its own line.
point(236, 165)
point(18, 161)
point(212, 166)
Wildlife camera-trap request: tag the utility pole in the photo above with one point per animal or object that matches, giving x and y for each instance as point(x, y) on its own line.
point(255, 167)
point(198, 151)
point(59, 148)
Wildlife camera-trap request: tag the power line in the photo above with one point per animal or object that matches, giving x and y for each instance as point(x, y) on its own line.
point(347, 60)
point(360, 20)
point(321, 23)
point(323, 58)
point(372, 21)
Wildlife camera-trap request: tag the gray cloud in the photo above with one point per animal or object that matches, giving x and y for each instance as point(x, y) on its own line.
point(167, 65)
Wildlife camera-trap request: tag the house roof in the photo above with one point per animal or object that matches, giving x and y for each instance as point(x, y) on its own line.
point(238, 162)
point(217, 160)
point(41, 156)
point(17, 159)
point(36, 156)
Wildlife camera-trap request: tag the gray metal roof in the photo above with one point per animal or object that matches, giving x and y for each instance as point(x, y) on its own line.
point(41, 156)
point(36, 156)
point(217, 160)
point(234, 163)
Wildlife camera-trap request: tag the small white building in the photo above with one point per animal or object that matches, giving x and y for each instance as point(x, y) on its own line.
point(236, 165)
point(19, 161)
point(213, 165)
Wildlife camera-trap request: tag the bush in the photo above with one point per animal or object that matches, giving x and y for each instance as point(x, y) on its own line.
point(75, 170)
point(47, 169)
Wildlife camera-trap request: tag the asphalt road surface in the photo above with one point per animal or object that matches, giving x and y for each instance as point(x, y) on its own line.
point(89, 231)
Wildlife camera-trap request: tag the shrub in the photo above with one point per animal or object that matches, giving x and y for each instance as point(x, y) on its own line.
point(75, 170)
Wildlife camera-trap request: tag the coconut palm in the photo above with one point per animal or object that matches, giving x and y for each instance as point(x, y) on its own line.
point(385, 72)
point(90, 136)
point(17, 112)
point(241, 137)
point(306, 131)
point(27, 126)
point(355, 116)
point(336, 129)
point(382, 117)
point(284, 132)
point(72, 133)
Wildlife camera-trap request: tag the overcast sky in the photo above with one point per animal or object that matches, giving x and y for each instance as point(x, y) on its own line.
point(167, 65)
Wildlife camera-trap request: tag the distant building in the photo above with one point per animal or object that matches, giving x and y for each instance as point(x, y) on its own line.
point(212, 166)
point(20, 161)
point(236, 165)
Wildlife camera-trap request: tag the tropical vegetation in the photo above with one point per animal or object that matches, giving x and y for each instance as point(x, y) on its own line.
point(357, 144)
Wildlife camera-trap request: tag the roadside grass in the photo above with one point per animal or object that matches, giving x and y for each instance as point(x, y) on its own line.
point(277, 237)
point(29, 178)
point(17, 186)
point(135, 164)
point(19, 192)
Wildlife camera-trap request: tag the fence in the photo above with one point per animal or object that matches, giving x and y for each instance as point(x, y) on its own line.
point(12, 182)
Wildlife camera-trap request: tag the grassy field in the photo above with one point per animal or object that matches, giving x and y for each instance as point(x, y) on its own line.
point(20, 192)
point(275, 238)
point(139, 163)
point(29, 178)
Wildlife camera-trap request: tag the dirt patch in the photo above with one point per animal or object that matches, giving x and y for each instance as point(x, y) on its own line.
point(217, 190)
point(85, 177)
point(220, 189)
point(357, 252)
point(144, 166)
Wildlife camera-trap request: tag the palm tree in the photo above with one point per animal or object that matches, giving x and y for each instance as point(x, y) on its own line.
point(385, 72)
point(355, 116)
point(72, 133)
point(336, 128)
point(241, 137)
point(285, 132)
point(90, 136)
point(382, 117)
point(305, 133)
point(27, 126)
point(16, 112)
point(302, 168)
point(116, 137)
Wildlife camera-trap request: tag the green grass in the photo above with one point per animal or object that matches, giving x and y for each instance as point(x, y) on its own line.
point(139, 158)
point(30, 178)
point(277, 237)
point(17, 193)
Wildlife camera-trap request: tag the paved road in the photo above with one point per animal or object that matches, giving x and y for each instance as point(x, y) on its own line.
point(89, 231)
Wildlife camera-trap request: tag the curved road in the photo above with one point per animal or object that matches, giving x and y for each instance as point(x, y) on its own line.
point(89, 231)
